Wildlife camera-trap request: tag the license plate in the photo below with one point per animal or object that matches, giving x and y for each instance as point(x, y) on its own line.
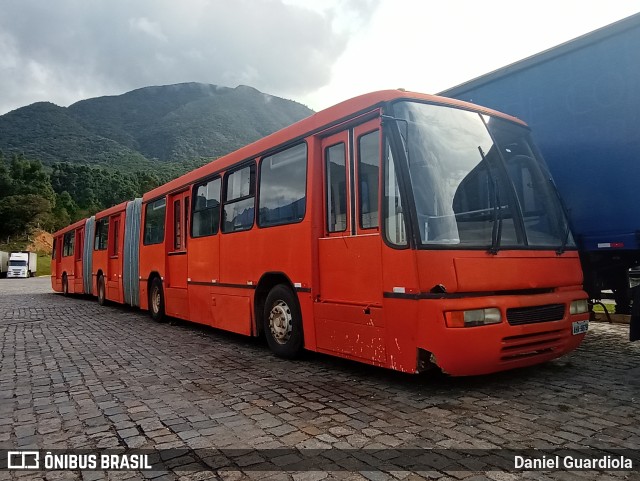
point(580, 327)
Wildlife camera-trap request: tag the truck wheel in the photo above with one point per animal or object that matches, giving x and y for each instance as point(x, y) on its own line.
point(29, 274)
point(102, 297)
point(283, 322)
point(156, 301)
point(65, 285)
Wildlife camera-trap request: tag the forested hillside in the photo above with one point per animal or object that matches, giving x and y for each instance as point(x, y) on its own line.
point(32, 197)
point(58, 165)
point(136, 130)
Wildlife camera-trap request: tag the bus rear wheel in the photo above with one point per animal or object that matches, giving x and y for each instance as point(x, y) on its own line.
point(102, 296)
point(65, 285)
point(156, 300)
point(283, 322)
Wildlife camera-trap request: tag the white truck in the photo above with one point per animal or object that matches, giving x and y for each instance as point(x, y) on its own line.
point(4, 263)
point(22, 264)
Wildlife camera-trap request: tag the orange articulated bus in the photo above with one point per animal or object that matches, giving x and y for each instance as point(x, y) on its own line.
point(397, 229)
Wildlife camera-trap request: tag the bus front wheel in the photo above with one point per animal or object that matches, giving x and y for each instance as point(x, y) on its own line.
point(156, 300)
point(283, 322)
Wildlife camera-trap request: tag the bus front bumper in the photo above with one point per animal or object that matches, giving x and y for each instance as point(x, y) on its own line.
point(530, 332)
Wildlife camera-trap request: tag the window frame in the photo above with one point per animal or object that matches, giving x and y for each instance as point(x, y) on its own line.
point(359, 178)
point(178, 224)
point(259, 185)
point(97, 231)
point(251, 165)
point(114, 247)
point(388, 148)
point(145, 241)
point(327, 185)
point(68, 248)
point(194, 211)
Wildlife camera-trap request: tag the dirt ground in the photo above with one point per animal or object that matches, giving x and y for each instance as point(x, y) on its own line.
point(42, 242)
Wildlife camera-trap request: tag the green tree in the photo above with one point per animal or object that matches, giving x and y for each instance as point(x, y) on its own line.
point(6, 181)
point(21, 213)
point(29, 177)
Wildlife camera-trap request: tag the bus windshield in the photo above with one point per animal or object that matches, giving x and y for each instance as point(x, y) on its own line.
point(478, 181)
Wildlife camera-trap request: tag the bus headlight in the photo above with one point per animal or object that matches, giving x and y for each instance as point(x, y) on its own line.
point(579, 307)
point(475, 317)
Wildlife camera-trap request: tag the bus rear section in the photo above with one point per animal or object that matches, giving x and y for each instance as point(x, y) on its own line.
point(100, 255)
point(67, 274)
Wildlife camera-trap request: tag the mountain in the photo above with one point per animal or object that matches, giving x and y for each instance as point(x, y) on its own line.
point(135, 130)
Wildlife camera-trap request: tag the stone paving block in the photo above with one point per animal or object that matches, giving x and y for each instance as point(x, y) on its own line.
point(82, 375)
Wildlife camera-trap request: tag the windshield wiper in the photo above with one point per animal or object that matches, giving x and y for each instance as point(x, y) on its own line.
point(496, 231)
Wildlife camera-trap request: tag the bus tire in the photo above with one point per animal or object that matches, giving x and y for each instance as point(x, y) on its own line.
point(156, 300)
point(282, 322)
point(102, 294)
point(65, 285)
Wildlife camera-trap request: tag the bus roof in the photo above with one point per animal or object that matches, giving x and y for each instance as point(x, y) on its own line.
point(112, 210)
point(73, 226)
point(314, 123)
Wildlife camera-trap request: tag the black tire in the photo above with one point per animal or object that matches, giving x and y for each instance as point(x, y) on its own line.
point(65, 285)
point(156, 301)
point(282, 323)
point(29, 274)
point(102, 293)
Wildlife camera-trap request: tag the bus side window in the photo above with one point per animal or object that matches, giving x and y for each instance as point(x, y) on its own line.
point(177, 227)
point(393, 213)
point(101, 235)
point(240, 187)
point(206, 208)
point(283, 181)
point(368, 175)
point(336, 188)
point(114, 245)
point(67, 247)
point(154, 222)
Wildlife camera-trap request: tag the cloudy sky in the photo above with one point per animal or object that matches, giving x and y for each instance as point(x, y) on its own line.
point(317, 52)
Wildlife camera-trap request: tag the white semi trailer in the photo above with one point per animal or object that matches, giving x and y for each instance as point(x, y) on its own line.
point(4, 263)
point(22, 264)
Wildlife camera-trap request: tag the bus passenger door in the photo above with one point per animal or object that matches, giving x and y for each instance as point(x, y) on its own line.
point(348, 311)
point(177, 301)
point(55, 260)
point(114, 268)
point(78, 285)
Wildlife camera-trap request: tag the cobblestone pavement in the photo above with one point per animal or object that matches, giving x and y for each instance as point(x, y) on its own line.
point(77, 375)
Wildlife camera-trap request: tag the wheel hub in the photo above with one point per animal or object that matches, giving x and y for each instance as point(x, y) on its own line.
point(280, 322)
point(155, 300)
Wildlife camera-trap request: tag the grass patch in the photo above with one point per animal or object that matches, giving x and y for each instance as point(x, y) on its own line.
point(44, 264)
point(611, 307)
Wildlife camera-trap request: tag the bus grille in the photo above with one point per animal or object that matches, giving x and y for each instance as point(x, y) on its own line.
point(530, 315)
point(533, 345)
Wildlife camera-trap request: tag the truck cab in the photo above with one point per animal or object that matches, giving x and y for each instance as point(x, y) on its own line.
point(22, 264)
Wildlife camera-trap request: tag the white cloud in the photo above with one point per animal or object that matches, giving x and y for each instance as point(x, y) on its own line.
point(318, 52)
point(146, 26)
